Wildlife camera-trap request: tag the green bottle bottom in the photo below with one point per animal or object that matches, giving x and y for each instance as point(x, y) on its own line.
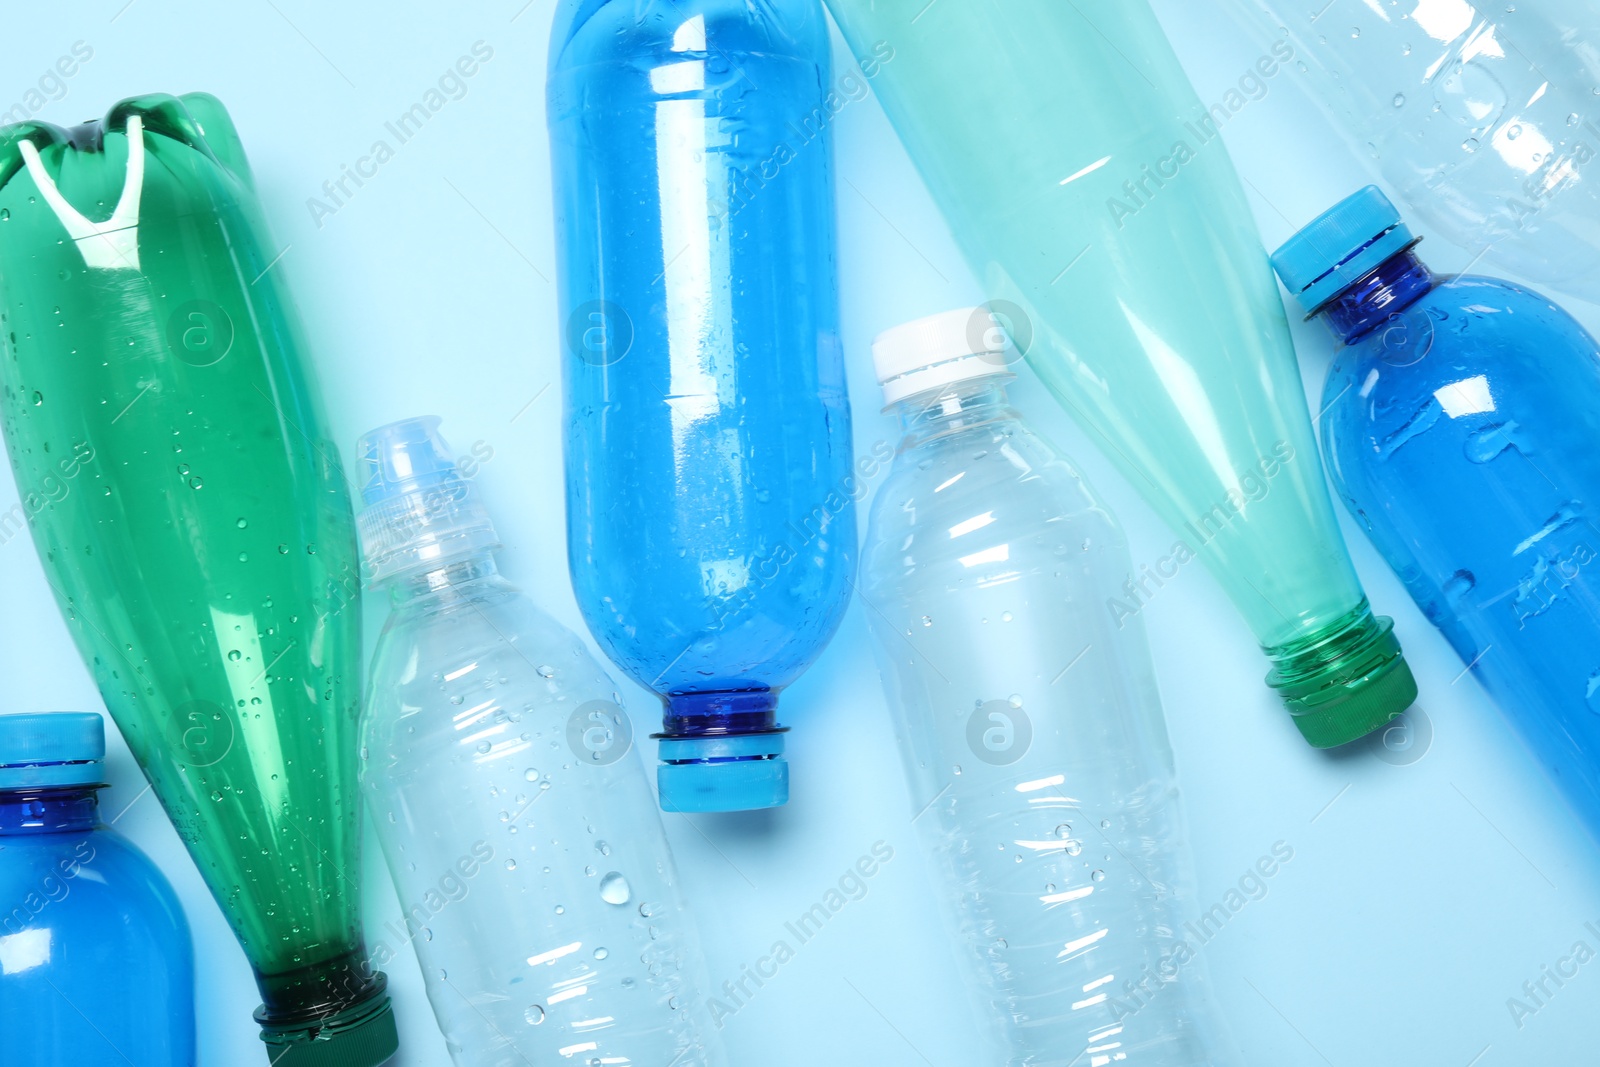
point(1344, 681)
point(331, 1014)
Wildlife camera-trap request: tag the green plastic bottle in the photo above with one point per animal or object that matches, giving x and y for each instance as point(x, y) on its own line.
point(193, 520)
point(1090, 192)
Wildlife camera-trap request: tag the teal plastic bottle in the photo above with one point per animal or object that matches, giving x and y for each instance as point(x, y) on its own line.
point(193, 521)
point(1091, 194)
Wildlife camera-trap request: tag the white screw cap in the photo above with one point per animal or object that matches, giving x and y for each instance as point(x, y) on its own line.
point(935, 351)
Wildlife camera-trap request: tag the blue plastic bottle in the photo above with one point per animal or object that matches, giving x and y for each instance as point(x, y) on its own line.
point(710, 510)
point(1459, 427)
point(96, 966)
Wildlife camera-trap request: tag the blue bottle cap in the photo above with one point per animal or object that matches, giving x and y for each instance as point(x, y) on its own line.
point(710, 774)
point(52, 748)
point(1340, 247)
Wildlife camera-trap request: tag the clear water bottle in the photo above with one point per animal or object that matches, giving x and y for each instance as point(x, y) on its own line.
point(1459, 429)
point(95, 960)
point(519, 827)
point(710, 491)
point(1028, 720)
point(1484, 120)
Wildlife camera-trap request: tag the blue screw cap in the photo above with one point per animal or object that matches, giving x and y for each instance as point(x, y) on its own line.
point(710, 774)
point(1340, 247)
point(52, 748)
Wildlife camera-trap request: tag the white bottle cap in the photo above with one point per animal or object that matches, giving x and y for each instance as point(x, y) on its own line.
point(935, 351)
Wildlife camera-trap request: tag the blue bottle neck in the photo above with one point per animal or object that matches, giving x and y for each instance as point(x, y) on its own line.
point(1395, 285)
point(720, 714)
point(49, 810)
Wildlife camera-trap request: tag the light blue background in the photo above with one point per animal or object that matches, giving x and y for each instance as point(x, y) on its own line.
point(1420, 897)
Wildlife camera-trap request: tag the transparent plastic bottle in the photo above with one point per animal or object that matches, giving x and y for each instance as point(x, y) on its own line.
point(710, 521)
point(1484, 119)
point(519, 827)
point(96, 965)
point(1122, 253)
point(1028, 720)
point(192, 519)
point(1460, 431)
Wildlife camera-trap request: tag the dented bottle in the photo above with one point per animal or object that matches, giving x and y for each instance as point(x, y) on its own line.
point(193, 521)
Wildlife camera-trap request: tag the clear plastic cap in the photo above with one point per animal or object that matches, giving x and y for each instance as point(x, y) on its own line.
point(937, 350)
point(418, 511)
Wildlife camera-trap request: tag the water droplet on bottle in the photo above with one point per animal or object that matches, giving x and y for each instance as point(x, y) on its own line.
point(1005, 616)
point(1355, 31)
point(234, 654)
point(511, 865)
point(283, 550)
point(614, 889)
point(1064, 831)
point(956, 769)
point(1074, 847)
point(483, 748)
point(1105, 824)
point(1573, 119)
point(443, 975)
point(1459, 585)
point(534, 1015)
point(602, 848)
point(546, 671)
point(5, 214)
point(601, 953)
point(1399, 99)
point(427, 934)
point(560, 910)
point(531, 774)
point(242, 524)
point(1098, 876)
point(927, 620)
point(1470, 144)
point(38, 399)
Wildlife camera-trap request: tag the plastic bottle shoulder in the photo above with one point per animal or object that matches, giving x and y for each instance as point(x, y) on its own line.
point(599, 31)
